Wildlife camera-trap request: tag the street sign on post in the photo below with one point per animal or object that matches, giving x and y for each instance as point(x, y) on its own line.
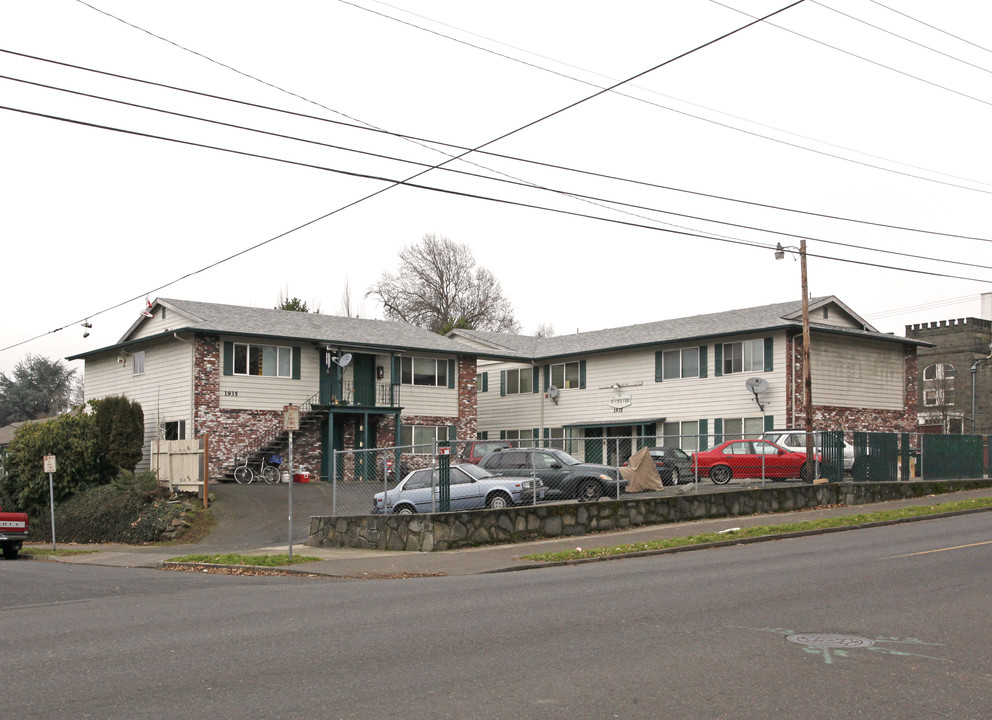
point(50, 469)
point(291, 417)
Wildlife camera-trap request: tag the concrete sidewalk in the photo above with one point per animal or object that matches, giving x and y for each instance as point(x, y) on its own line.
point(352, 563)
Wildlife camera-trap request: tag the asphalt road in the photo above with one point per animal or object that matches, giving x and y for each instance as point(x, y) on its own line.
point(884, 623)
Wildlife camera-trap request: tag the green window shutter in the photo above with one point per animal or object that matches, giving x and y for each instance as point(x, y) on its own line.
point(502, 383)
point(717, 360)
point(485, 381)
point(483, 434)
point(717, 431)
point(703, 360)
point(704, 434)
point(547, 377)
point(547, 433)
point(228, 358)
point(769, 359)
point(395, 372)
point(769, 422)
point(452, 433)
point(659, 370)
point(582, 374)
point(451, 374)
point(502, 434)
point(537, 435)
point(297, 356)
point(537, 379)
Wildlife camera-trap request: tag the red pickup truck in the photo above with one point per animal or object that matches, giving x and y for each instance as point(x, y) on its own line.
point(13, 533)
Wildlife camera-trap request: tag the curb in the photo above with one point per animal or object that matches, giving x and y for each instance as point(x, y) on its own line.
point(739, 541)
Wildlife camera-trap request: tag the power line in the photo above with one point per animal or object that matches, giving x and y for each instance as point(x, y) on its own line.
point(697, 117)
point(862, 57)
point(596, 200)
point(901, 37)
point(366, 128)
point(932, 27)
point(407, 181)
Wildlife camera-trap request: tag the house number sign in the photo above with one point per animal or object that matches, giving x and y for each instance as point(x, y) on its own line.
point(619, 401)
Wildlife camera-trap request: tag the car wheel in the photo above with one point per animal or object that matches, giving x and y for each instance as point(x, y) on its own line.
point(721, 474)
point(10, 551)
point(403, 510)
point(589, 491)
point(498, 501)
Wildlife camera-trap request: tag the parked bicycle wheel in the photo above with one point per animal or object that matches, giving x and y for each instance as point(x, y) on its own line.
point(270, 475)
point(243, 475)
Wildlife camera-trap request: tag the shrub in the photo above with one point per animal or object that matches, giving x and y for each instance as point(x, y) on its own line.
point(68, 437)
point(127, 510)
point(119, 430)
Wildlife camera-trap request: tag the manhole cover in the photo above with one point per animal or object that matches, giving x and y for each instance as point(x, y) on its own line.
point(828, 640)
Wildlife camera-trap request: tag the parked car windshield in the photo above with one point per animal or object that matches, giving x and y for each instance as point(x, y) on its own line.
point(476, 472)
point(564, 458)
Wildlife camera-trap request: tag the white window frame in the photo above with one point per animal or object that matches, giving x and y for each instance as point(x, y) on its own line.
point(938, 385)
point(677, 357)
point(752, 356)
point(741, 430)
point(517, 378)
point(283, 360)
point(138, 363)
point(413, 368)
point(180, 429)
point(688, 435)
point(422, 439)
point(563, 375)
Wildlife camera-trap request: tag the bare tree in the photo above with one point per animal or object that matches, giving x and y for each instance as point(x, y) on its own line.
point(438, 287)
point(348, 308)
point(545, 330)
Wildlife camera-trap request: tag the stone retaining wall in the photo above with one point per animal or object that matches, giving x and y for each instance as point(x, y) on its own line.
point(452, 530)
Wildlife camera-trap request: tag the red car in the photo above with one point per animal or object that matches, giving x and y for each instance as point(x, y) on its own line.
point(751, 459)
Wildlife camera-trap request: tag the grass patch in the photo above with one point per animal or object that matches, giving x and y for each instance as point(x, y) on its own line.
point(764, 530)
point(250, 560)
point(43, 552)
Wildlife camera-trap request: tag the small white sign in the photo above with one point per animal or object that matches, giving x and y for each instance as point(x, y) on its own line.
point(49, 463)
point(444, 451)
point(291, 417)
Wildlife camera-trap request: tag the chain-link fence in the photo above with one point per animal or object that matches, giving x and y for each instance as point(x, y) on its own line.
point(591, 468)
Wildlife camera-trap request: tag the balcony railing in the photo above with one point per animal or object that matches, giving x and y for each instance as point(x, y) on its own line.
point(382, 394)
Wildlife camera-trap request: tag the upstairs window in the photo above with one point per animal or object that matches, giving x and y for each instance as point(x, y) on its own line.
point(680, 363)
point(263, 360)
point(565, 375)
point(519, 381)
point(746, 356)
point(429, 372)
point(938, 385)
point(423, 438)
point(138, 363)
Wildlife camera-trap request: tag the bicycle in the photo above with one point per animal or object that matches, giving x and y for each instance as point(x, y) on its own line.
point(244, 475)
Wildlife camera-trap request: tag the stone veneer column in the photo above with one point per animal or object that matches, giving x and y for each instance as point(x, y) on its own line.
point(206, 393)
point(468, 417)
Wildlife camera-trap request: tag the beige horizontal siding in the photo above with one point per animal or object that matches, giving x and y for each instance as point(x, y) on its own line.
point(849, 372)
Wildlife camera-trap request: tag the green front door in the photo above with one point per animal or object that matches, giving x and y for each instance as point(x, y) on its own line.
point(363, 367)
point(594, 445)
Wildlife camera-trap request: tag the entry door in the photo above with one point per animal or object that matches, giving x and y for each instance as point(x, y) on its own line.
point(618, 441)
point(363, 367)
point(594, 445)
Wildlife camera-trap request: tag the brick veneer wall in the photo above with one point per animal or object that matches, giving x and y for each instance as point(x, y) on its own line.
point(468, 415)
point(235, 432)
point(848, 418)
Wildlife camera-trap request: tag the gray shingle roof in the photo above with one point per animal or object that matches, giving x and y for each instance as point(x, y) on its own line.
point(731, 322)
point(223, 319)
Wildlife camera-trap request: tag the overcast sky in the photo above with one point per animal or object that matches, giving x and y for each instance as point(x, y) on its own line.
point(870, 111)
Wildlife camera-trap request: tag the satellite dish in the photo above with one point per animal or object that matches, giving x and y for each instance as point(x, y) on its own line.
point(756, 385)
point(343, 360)
point(552, 393)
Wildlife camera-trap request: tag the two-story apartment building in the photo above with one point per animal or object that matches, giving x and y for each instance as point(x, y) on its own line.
point(228, 371)
point(684, 381)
